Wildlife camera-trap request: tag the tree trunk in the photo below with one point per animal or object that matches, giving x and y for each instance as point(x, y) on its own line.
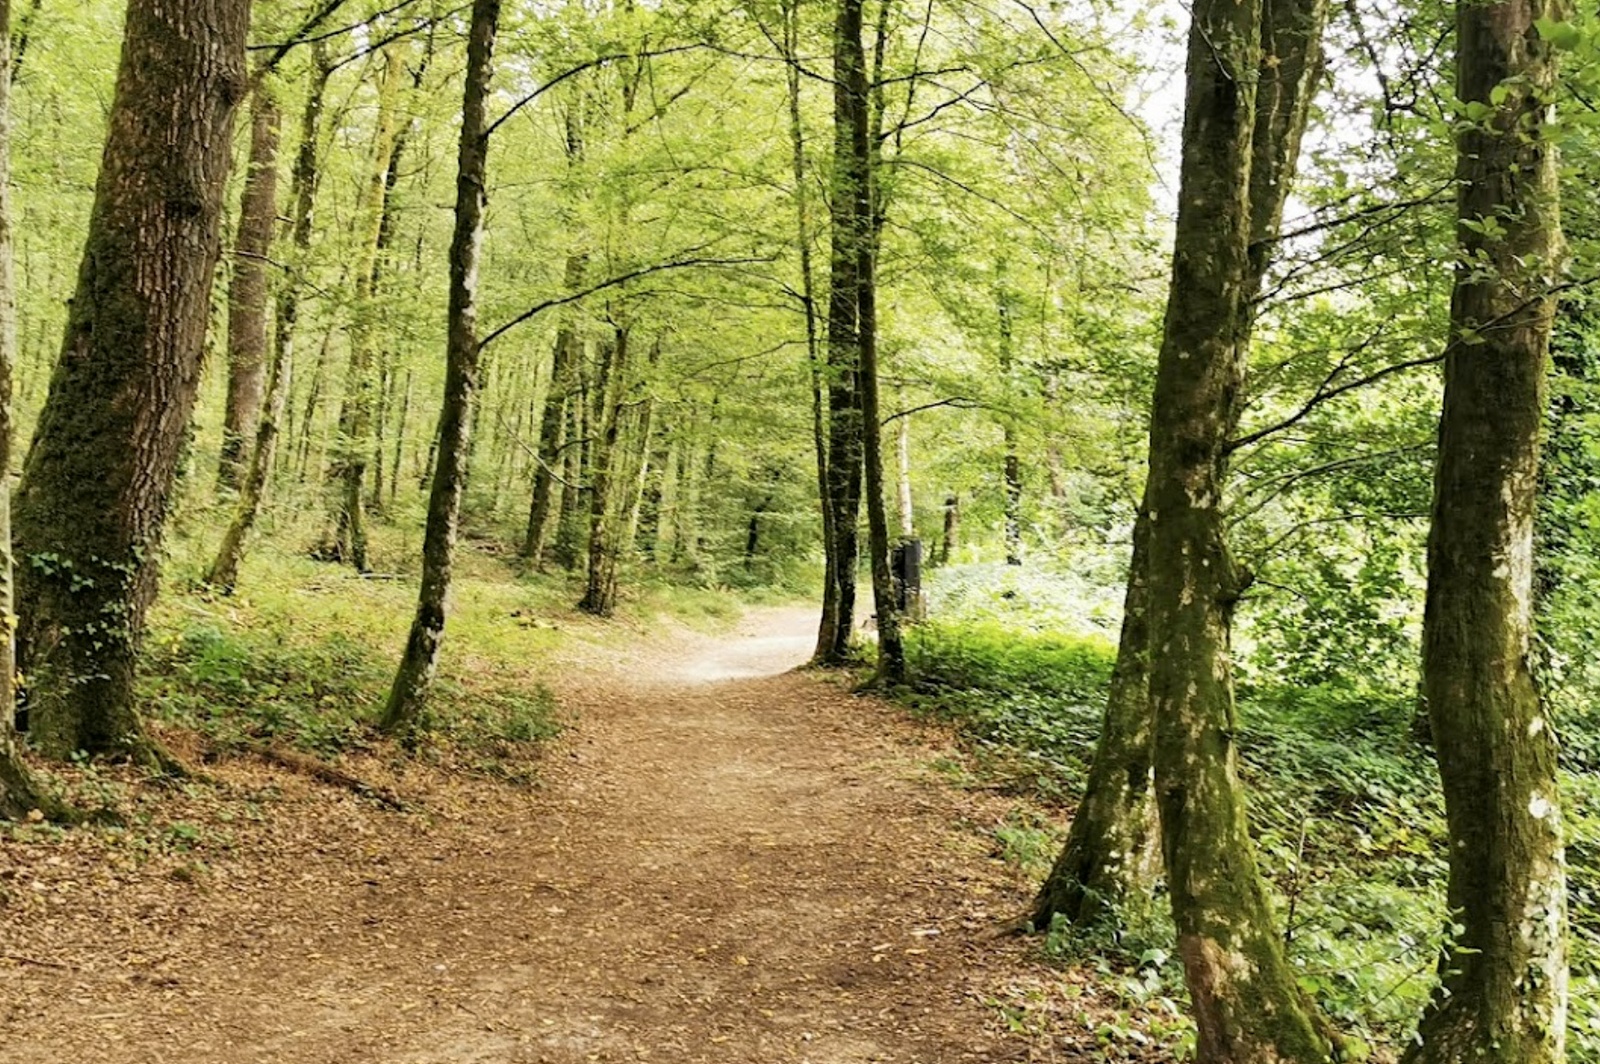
point(1108, 860)
point(347, 537)
point(1011, 479)
point(96, 485)
point(1111, 857)
point(408, 696)
point(563, 386)
point(846, 423)
point(908, 517)
point(248, 290)
point(952, 528)
point(1502, 996)
point(891, 651)
point(1246, 1003)
point(224, 572)
point(20, 793)
point(600, 589)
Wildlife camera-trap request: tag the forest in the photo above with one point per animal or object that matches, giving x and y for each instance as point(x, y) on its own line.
point(799, 530)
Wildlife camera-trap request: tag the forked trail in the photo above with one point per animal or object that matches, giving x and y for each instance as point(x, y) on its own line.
point(725, 862)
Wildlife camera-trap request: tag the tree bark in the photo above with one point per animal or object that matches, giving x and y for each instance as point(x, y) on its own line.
point(20, 792)
point(1108, 861)
point(224, 572)
point(408, 696)
point(600, 588)
point(249, 289)
point(846, 422)
point(563, 388)
point(347, 537)
point(95, 489)
point(1246, 1003)
point(1502, 996)
point(1111, 857)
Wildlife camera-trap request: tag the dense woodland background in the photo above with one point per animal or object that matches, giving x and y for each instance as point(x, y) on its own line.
point(658, 389)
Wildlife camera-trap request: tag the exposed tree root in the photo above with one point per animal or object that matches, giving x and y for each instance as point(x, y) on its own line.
point(324, 772)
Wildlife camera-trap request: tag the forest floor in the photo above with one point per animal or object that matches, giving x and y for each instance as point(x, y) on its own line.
point(721, 860)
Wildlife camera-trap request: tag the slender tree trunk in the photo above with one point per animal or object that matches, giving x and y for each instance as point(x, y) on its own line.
point(952, 528)
point(95, 489)
point(563, 386)
point(347, 537)
point(827, 635)
point(1012, 466)
point(1247, 1005)
point(891, 651)
point(410, 691)
point(600, 590)
point(20, 793)
point(248, 291)
point(908, 517)
point(224, 572)
point(1502, 996)
point(399, 439)
point(846, 422)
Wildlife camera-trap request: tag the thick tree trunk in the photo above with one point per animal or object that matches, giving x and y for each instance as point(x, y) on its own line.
point(408, 696)
point(1111, 857)
point(248, 289)
point(1107, 861)
point(1502, 997)
point(1246, 1003)
point(224, 572)
point(846, 423)
point(95, 488)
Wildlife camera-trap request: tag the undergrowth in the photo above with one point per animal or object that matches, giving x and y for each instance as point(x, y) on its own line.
point(1345, 806)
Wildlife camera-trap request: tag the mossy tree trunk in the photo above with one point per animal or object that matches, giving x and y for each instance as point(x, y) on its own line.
point(346, 539)
point(1247, 1005)
point(248, 290)
point(600, 585)
point(20, 793)
point(1110, 859)
point(846, 423)
point(224, 571)
point(408, 696)
point(1502, 997)
point(95, 488)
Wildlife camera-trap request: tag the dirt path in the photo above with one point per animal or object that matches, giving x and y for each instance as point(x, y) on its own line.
point(727, 862)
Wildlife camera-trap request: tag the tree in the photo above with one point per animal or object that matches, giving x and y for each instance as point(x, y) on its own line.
point(409, 694)
point(848, 188)
point(92, 503)
point(224, 571)
point(1110, 856)
point(1502, 993)
point(20, 793)
point(248, 292)
point(1246, 1002)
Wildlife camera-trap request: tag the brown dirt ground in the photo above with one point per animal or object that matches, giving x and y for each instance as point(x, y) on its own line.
point(723, 862)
